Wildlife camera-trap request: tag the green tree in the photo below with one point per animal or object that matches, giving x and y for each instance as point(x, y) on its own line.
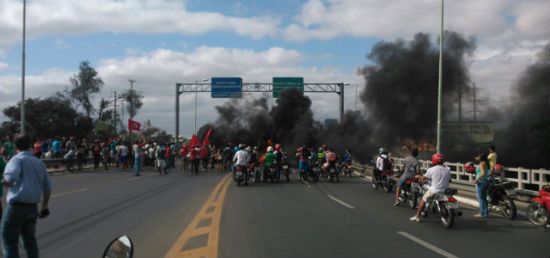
point(52, 116)
point(134, 101)
point(85, 84)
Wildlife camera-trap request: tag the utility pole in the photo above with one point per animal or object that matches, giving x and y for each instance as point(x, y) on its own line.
point(115, 116)
point(132, 111)
point(475, 102)
point(131, 97)
point(23, 57)
point(460, 103)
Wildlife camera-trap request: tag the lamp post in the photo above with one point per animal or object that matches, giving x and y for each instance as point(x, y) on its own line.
point(440, 81)
point(23, 69)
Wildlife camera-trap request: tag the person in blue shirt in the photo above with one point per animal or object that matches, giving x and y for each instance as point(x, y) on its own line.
point(28, 183)
point(56, 148)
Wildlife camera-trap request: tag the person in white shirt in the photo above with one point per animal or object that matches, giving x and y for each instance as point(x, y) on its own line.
point(438, 177)
point(242, 157)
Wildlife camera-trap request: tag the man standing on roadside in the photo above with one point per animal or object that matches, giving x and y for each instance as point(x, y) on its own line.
point(27, 180)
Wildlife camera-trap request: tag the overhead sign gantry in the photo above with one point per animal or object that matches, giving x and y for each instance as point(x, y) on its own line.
point(233, 87)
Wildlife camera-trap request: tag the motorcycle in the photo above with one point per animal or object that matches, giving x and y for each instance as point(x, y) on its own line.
point(286, 170)
point(120, 247)
point(499, 197)
point(241, 175)
point(384, 179)
point(270, 174)
point(346, 169)
point(538, 211)
point(408, 193)
point(332, 173)
point(444, 206)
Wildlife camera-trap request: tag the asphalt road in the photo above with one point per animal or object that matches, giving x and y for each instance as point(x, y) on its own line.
point(183, 215)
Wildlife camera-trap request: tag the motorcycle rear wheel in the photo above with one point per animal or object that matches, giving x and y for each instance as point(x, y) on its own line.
point(387, 185)
point(508, 208)
point(537, 214)
point(448, 219)
point(374, 183)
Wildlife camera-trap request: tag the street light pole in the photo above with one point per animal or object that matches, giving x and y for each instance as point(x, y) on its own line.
point(440, 82)
point(23, 69)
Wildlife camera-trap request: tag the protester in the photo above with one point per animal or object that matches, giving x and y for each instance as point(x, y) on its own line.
point(27, 180)
point(482, 183)
point(137, 158)
point(96, 152)
point(37, 148)
point(56, 148)
point(492, 158)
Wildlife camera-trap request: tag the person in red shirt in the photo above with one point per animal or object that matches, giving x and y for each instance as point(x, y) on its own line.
point(183, 156)
point(37, 147)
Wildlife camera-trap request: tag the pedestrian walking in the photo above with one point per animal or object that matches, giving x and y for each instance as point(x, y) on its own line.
point(27, 181)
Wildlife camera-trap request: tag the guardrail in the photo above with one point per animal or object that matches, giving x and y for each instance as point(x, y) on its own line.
point(526, 180)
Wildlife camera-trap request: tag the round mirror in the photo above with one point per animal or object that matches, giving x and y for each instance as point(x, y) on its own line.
point(121, 247)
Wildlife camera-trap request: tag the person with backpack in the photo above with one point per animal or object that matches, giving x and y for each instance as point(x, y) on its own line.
point(411, 169)
point(383, 163)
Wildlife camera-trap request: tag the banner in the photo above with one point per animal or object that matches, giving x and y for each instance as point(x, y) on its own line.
point(133, 125)
point(475, 132)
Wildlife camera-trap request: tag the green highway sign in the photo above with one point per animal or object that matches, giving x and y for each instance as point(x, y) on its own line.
point(283, 83)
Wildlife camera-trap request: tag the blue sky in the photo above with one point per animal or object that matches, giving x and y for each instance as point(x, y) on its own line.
point(160, 42)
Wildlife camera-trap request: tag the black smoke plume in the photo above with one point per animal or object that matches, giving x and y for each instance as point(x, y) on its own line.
point(526, 140)
point(400, 96)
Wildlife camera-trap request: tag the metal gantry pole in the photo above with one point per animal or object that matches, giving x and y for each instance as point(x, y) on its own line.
point(341, 85)
point(177, 112)
point(440, 81)
point(23, 57)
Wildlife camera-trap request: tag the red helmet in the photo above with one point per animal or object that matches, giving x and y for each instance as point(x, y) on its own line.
point(470, 167)
point(277, 147)
point(498, 168)
point(438, 159)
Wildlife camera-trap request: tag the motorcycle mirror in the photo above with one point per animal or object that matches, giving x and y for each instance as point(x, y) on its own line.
point(121, 247)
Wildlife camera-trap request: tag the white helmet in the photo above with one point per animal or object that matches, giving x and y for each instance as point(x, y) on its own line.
point(269, 149)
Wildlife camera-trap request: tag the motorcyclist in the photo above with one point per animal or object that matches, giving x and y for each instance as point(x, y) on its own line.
point(241, 159)
point(331, 159)
point(320, 157)
point(279, 155)
point(268, 161)
point(303, 157)
point(346, 160)
point(439, 178)
point(411, 169)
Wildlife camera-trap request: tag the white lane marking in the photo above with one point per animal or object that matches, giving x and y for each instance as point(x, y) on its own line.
point(70, 192)
point(340, 202)
point(427, 245)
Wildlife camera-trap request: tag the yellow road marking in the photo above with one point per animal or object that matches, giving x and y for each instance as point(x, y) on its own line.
point(210, 249)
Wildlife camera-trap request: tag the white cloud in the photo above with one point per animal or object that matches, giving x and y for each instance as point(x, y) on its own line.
point(156, 73)
point(62, 17)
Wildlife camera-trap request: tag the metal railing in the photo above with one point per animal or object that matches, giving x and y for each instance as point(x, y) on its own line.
point(523, 178)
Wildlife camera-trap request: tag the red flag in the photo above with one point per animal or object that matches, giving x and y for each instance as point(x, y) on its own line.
point(133, 125)
point(206, 140)
point(194, 141)
point(203, 152)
